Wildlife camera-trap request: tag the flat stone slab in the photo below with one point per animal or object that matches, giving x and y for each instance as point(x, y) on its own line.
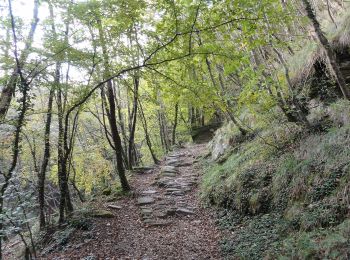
point(175, 193)
point(146, 211)
point(172, 183)
point(178, 163)
point(184, 211)
point(166, 202)
point(178, 193)
point(176, 155)
point(145, 200)
point(184, 164)
point(146, 217)
point(161, 214)
point(112, 206)
point(169, 168)
point(169, 174)
point(153, 223)
point(172, 189)
point(165, 182)
point(166, 213)
point(174, 161)
point(149, 192)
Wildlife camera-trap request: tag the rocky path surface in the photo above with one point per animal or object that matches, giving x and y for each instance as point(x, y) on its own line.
point(163, 221)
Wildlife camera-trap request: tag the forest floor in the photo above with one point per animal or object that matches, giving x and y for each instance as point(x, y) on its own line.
point(163, 220)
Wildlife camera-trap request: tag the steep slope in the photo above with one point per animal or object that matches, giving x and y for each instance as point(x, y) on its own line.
point(286, 192)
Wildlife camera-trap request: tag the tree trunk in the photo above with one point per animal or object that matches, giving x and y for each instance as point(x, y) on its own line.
point(131, 155)
point(192, 116)
point(61, 166)
point(116, 138)
point(161, 132)
point(42, 173)
point(63, 152)
point(120, 115)
point(175, 123)
point(163, 125)
point(80, 195)
point(148, 139)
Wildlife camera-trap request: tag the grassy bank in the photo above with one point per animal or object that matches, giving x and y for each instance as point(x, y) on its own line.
point(290, 199)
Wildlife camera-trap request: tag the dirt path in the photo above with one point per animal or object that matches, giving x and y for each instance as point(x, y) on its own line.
point(163, 221)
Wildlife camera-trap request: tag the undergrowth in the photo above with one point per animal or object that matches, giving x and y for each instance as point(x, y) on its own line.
point(289, 201)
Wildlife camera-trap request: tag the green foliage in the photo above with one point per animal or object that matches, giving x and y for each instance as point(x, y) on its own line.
point(325, 244)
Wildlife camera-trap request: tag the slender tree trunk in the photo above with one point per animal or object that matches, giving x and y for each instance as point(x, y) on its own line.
point(80, 195)
point(42, 173)
point(120, 115)
point(63, 156)
point(68, 151)
point(65, 204)
point(60, 151)
point(116, 138)
point(131, 145)
point(163, 130)
point(192, 116)
point(330, 52)
point(175, 123)
point(161, 134)
point(202, 117)
point(163, 125)
point(148, 139)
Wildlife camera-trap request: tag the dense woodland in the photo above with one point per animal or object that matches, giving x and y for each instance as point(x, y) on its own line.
point(93, 91)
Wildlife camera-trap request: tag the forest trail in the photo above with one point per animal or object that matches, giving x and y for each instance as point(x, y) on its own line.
point(164, 220)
